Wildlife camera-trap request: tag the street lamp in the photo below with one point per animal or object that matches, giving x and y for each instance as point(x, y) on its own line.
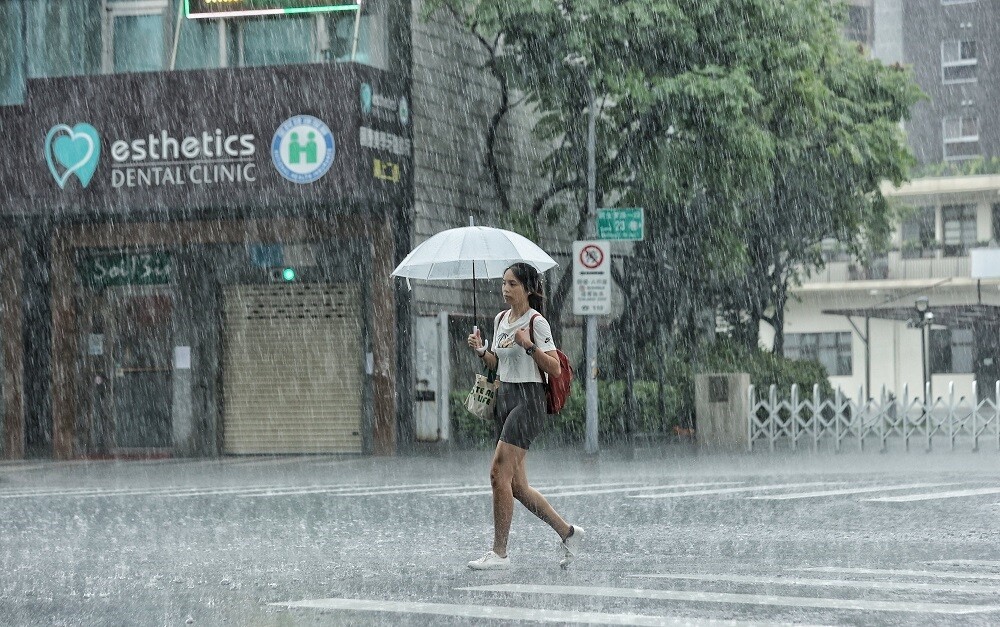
point(579, 62)
point(924, 321)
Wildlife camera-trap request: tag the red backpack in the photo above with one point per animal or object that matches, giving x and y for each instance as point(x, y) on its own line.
point(557, 389)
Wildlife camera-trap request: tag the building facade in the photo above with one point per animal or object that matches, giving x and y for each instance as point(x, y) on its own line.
point(860, 319)
point(199, 217)
point(200, 211)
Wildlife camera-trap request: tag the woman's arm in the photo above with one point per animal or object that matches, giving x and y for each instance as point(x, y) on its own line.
point(548, 362)
point(490, 360)
point(476, 343)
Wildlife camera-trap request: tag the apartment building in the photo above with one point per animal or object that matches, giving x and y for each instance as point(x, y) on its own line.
point(862, 320)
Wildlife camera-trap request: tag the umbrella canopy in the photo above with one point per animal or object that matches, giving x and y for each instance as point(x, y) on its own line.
point(471, 252)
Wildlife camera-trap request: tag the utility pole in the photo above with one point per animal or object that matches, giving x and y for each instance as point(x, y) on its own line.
point(591, 445)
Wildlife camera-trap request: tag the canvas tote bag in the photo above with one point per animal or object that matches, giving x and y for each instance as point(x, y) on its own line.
point(483, 396)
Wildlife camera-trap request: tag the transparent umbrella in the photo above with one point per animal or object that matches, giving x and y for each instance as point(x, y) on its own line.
point(471, 252)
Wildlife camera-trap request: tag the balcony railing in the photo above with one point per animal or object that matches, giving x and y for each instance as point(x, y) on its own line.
point(893, 267)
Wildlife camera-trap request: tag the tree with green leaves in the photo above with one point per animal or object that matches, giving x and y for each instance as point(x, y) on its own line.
point(750, 130)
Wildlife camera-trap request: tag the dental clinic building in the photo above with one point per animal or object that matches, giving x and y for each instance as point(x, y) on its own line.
point(196, 261)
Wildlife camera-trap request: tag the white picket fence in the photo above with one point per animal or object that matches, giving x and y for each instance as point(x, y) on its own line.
point(789, 422)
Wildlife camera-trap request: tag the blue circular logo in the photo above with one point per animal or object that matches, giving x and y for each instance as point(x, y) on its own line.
point(366, 98)
point(404, 111)
point(303, 149)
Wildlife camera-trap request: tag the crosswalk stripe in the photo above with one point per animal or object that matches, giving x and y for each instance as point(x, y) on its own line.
point(845, 491)
point(504, 613)
point(903, 573)
point(22, 467)
point(647, 487)
point(741, 599)
point(833, 583)
point(364, 492)
point(987, 563)
point(939, 495)
point(555, 488)
point(250, 491)
point(754, 488)
point(337, 490)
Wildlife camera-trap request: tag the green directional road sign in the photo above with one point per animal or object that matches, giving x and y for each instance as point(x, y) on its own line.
point(621, 224)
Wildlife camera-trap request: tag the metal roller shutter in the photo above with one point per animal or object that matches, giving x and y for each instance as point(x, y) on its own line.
point(292, 372)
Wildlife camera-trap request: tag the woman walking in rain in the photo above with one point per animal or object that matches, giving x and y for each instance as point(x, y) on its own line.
point(520, 409)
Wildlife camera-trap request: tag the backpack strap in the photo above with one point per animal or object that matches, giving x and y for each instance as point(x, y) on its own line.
point(496, 321)
point(493, 337)
point(531, 336)
point(531, 327)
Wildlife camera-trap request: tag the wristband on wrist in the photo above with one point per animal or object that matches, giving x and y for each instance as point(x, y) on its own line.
point(531, 350)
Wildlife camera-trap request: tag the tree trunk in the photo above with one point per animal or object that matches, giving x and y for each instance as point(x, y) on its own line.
point(780, 300)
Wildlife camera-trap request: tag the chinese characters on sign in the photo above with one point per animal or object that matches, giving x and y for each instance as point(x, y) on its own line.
point(591, 278)
point(621, 224)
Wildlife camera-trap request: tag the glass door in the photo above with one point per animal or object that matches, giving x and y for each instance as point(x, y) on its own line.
point(126, 369)
point(139, 323)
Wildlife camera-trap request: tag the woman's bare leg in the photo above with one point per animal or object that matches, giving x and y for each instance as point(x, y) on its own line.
point(501, 480)
point(533, 500)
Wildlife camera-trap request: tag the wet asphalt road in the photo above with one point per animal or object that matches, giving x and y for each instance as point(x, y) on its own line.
point(674, 537)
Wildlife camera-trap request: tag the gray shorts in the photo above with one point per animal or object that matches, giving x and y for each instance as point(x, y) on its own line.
point(520, 412)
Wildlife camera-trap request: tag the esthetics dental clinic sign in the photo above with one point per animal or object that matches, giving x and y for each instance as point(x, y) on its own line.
point(289, 137)
point(203, 158)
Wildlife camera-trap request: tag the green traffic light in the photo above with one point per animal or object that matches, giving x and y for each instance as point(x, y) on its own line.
point(288, 274)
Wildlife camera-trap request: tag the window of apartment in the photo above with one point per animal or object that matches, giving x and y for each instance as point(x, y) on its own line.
point(958, 61)
point(833, 250)
point(859, 24)
point(277, 41)
point(328, 37)
point(951, 351)
point(63, 38)
point(201, 45)
point(367, 29)
point(134, 36)
point(833, 350)
point(947, 2)
point(80, 37)
point(961, 138)
point(12, 51)
point(958, 226)
point(918, 237)
point(995, 214)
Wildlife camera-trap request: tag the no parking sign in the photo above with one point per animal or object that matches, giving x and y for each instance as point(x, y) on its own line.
point(591, 278)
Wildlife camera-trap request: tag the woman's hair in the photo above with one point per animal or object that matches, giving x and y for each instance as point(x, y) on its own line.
point(528, 276)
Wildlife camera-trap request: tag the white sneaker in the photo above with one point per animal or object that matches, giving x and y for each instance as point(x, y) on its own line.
point(490, 561)
point(571, 545)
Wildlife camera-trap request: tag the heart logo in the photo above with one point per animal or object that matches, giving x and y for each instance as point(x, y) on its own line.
point(70, 151)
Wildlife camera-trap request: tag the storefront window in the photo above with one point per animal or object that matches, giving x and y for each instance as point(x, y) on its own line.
point(12, 51)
